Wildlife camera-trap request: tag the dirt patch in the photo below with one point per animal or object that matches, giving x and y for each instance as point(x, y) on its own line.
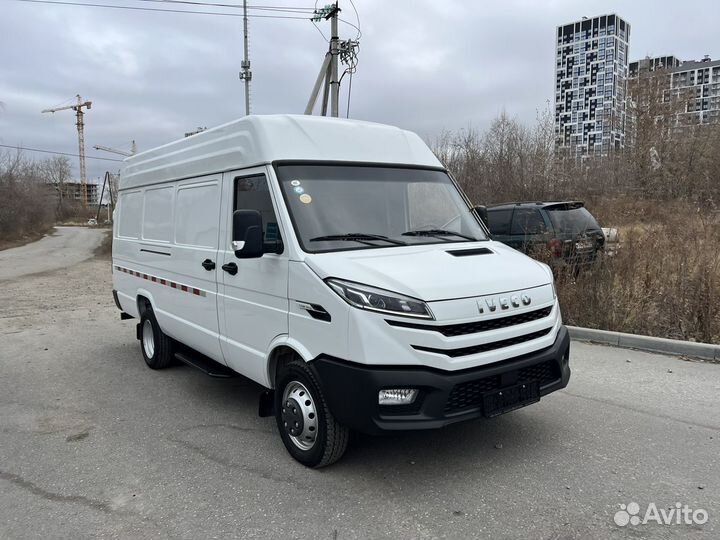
point(7, 243)
point(104, 250)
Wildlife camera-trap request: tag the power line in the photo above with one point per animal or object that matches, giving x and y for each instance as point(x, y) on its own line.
point(160, 10)
point(321, 32)
point(288, 9)
point(349, 24)
point(357, 17)
point(53, 152)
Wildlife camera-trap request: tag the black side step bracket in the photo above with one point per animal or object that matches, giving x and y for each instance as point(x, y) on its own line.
point(206, 365)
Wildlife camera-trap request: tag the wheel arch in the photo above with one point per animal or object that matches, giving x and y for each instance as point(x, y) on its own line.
point(283, 350)
point(144, 300)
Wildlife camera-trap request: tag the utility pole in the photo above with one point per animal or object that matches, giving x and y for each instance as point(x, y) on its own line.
point(80, 124)
point(334, 61)
point(328, 76)
point(246, 74)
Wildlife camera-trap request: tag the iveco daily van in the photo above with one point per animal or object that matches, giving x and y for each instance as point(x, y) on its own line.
point(337, 264)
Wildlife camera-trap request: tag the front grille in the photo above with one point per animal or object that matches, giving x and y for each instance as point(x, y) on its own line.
point(484, 347)
point(545, 373)
point(468, 395)
point(463, 329)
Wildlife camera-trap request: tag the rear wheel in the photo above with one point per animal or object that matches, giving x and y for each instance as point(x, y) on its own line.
point(157, 348)
point(307, 427)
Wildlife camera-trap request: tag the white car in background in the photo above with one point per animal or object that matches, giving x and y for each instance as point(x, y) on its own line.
point(612, 240)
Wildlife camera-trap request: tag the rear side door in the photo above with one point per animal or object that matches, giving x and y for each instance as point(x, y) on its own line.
point(528, 230)
point(253, 304)
point(499, 224)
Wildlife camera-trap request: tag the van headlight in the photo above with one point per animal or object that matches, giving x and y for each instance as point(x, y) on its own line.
point(372, 299)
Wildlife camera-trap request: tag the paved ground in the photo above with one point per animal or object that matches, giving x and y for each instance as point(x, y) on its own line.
point(65, 247)
point(94, 444)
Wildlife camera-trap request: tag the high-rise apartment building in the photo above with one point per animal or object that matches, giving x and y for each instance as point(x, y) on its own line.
point(692, 87)
point(591, 72)
point(697, 86)
point(648, 65)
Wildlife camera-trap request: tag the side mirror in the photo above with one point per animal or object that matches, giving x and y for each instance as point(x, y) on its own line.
point(247, 234)
point(482, 213)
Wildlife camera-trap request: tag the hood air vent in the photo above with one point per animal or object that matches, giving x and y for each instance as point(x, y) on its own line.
point(470, 252)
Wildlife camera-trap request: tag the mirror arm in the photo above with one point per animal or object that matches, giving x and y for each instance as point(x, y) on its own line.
point(275, 246)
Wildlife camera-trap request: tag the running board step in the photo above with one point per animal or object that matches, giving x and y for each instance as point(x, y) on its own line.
point(206, 365)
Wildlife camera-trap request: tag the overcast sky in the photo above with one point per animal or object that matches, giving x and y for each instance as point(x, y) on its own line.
point(424, 65)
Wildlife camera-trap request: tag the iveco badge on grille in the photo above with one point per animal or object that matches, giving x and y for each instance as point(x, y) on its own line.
point(491, 304)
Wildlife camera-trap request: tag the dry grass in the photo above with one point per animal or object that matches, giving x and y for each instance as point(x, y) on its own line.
point(664, 280)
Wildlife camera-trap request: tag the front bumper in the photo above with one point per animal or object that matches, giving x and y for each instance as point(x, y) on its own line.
point(445, 397)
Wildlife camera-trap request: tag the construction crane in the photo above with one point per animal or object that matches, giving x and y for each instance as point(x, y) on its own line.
point(78, 108)
point(133, 149)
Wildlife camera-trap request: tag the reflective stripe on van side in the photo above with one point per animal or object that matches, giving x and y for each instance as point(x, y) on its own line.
point(162, 281)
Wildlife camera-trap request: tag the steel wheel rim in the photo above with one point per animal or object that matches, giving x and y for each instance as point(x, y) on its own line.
point(299, 415)
point(148, 339)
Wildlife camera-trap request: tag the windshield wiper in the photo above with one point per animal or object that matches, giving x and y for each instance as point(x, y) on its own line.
point(438, 233)
point(357, 237)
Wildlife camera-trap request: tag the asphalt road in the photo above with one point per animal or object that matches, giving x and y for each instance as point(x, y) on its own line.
point(64, 247)
point(94, 444)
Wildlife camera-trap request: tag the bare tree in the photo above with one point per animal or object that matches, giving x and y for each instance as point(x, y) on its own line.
point(24, 205)
point(56, 171)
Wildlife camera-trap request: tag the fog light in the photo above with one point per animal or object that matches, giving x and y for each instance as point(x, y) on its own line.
point(397, 396)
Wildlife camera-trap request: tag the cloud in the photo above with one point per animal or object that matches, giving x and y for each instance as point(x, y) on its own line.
point(426, 65)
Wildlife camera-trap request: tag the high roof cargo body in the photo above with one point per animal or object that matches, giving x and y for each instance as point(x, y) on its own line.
point(255, 140)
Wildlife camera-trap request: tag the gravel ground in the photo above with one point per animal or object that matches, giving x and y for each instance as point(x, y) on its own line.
point(95, 445)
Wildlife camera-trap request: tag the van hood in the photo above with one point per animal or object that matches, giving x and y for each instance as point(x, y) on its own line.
point(431, 272)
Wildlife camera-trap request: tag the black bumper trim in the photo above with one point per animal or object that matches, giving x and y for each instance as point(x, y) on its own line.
point(351, 389)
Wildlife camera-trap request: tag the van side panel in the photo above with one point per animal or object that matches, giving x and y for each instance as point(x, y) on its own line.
point(165, 232)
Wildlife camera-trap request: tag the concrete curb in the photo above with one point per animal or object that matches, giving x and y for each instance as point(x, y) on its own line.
point(706, 351)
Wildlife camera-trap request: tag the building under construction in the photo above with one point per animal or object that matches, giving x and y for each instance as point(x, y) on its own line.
point(73, 191)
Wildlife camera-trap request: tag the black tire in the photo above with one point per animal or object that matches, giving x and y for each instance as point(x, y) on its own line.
point(160, 355)
point(331, 437)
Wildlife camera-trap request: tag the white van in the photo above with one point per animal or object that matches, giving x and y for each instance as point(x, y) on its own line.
point(337, 264)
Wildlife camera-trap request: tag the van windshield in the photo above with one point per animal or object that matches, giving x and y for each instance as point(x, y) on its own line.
point(341, 207)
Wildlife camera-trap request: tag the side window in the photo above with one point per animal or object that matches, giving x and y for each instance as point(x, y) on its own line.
point(527, 221)
point(253, 193)
point(499, 221)
point(157, 214)
point(131, 204)
point(197, 210)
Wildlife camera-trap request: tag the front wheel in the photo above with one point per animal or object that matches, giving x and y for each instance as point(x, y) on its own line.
point(307, 427)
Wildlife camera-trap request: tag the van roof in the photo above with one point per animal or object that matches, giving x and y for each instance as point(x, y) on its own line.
point(256, 140)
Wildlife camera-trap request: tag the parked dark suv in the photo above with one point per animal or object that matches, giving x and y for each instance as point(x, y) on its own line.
point(566, 229)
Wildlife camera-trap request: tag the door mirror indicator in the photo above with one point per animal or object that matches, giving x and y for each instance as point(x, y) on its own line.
point(247, 234)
